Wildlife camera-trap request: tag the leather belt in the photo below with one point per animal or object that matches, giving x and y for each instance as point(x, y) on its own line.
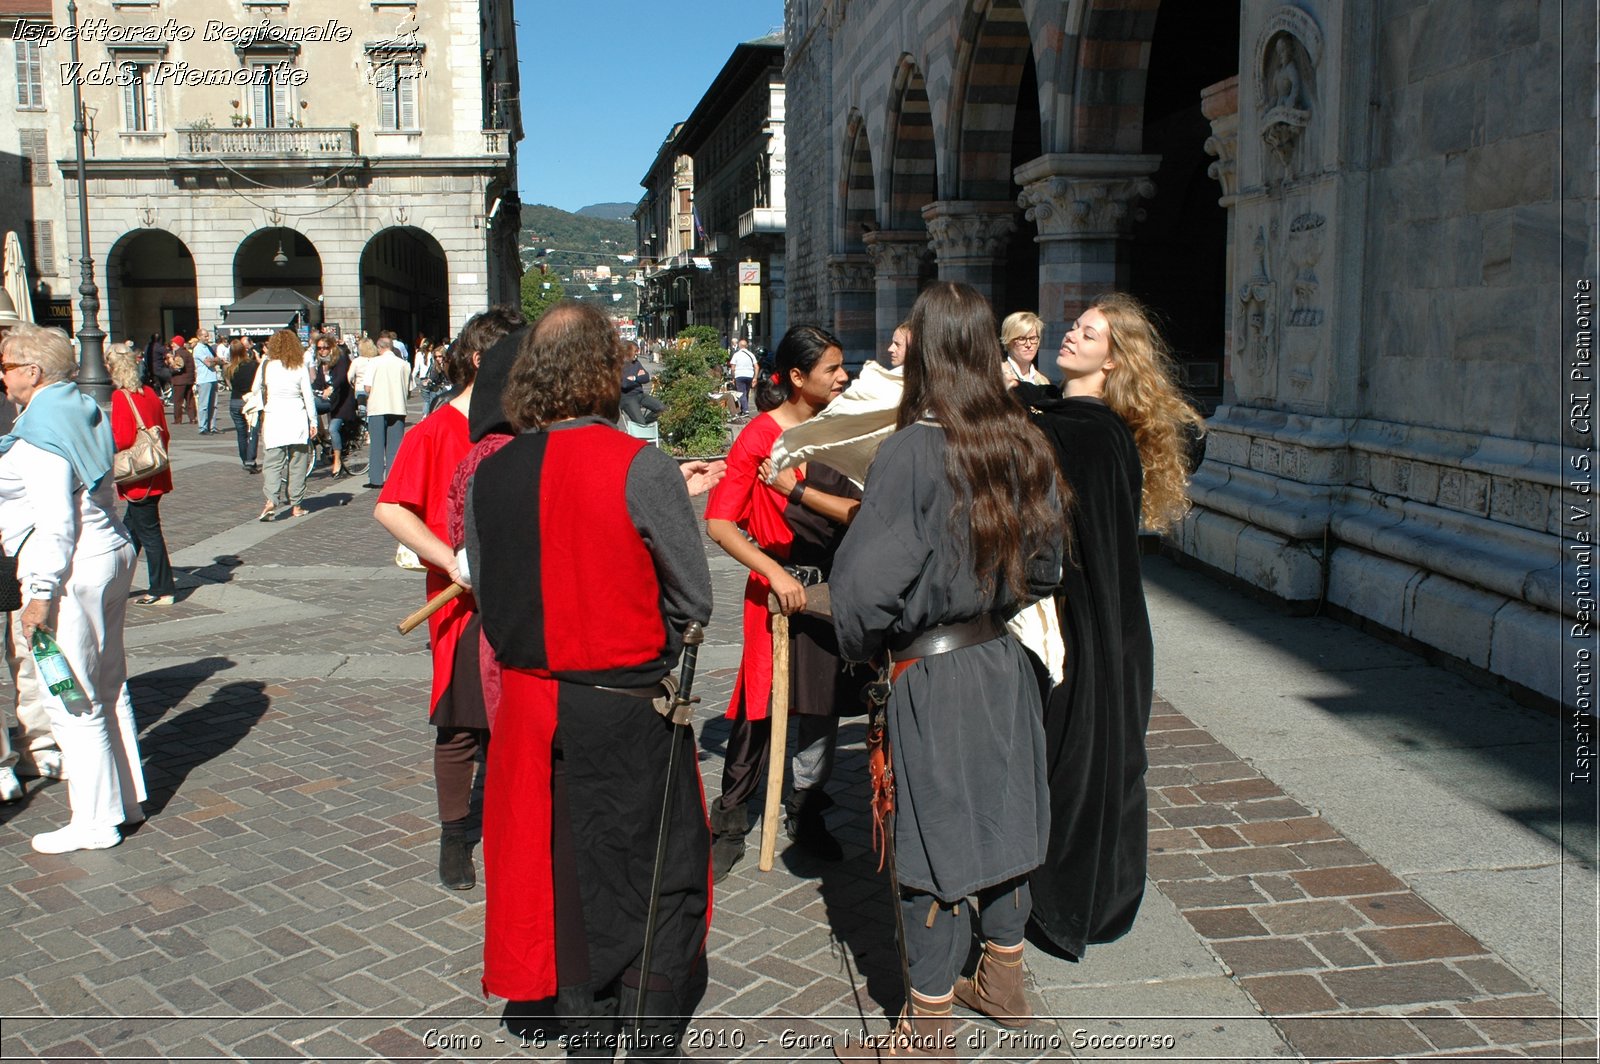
point(944, 638)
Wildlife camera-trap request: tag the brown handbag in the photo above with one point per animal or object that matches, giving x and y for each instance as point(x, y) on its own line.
point(145, 457)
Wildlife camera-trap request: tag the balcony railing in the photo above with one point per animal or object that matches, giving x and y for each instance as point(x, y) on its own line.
point(761, 220)
point(496, 142)
point(288, 141)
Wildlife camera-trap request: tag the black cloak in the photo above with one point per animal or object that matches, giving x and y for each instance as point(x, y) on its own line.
point(1092, 880)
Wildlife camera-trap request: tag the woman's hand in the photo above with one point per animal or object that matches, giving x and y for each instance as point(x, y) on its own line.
point(782, 483)
point(34, 615)
point(701, 476)
point(791, 593)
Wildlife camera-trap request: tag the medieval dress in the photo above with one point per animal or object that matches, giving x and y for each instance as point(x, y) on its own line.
point(972, 803)
point(587, 563)
point(1092, 880)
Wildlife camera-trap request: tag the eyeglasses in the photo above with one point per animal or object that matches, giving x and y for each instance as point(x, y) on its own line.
point(7, 367)
point(1027, 341)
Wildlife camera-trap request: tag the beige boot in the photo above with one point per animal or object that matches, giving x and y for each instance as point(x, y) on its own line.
point(926, 1032)
point(995, 988)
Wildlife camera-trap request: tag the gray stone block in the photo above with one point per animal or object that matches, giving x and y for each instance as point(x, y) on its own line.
point(1454, 618)
point(1512, 172)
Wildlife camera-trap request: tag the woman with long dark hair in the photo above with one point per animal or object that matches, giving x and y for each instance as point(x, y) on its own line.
point(240, 377)
point(774, 536)
point(1125, 439)
point(960, 525)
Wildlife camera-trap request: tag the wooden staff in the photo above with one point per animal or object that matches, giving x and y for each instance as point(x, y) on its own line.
point(818, 604)
point(434, 605)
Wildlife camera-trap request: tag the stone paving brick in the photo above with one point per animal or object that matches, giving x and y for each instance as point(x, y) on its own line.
point(1287, 995)
point(1420, 943)
point(1343, 882)
point(1226, 923)
point(1295, 918)
point(1397, 985)
point(1255, 956)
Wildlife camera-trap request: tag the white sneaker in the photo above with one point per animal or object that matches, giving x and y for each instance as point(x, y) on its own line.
point(45, 764)
point(72, 837)
point(10, 786)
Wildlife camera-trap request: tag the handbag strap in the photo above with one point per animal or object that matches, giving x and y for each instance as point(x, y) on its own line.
point(135, 408)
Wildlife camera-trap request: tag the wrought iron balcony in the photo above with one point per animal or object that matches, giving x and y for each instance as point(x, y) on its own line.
point(290, 141)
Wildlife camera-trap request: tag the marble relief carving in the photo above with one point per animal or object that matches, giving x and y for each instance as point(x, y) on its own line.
point(1258, 310)
point(1305, 249)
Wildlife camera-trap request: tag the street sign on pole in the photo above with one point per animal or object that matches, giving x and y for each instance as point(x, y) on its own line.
point(749, 272)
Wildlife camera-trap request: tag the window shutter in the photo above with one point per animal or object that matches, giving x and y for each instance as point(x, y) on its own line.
point(261, 101)
point(36, 150)
point(406, 83)
point(132, 112)
point(388, 106)
point(35, 73)
point(44, 248)
point(280, 102)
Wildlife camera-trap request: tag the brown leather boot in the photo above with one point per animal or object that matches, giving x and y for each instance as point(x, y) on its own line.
point(926, 1032)
point(995, 988)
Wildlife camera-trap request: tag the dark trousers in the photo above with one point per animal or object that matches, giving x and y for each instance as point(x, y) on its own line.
point(182, 399)
point(641, 409)
point(744, 769)
point(938, 933)
point(742, 386)
point(143, 518)
point(455, 755)
point(248, 434)
point(384, 432)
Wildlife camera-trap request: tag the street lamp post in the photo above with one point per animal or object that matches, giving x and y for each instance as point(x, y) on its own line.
point(92, 376)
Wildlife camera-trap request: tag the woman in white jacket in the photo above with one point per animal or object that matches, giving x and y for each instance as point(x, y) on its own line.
point(288, 423)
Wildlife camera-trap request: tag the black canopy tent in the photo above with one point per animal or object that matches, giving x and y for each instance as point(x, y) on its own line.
point(266, 310)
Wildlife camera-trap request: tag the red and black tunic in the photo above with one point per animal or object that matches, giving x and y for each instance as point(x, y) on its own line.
point(587, 562)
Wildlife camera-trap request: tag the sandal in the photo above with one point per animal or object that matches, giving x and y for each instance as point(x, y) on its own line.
point(298, 511)
point(268, 514)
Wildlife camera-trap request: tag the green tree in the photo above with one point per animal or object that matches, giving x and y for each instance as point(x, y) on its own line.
point(540, 291)
point(693, 423)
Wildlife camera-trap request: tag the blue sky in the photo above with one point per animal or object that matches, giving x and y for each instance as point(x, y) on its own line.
point(622, 72)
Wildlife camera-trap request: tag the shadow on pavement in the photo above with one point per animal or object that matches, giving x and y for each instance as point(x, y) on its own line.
point(175, 747)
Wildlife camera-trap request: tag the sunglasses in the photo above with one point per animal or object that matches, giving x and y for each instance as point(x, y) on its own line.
point(7, 367)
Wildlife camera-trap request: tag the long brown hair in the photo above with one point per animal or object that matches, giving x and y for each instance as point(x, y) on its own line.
point(284, 346)
point(999, 465)
point(1141, 389)
point(238, 351)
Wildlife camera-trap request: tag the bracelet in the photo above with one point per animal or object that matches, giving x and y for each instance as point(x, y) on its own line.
point(797, 491)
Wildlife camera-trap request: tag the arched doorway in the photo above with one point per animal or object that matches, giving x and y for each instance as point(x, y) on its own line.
point(1178, 260)
point(405, 285)
point(150, 287)
point(852, 276)
point(277, 258)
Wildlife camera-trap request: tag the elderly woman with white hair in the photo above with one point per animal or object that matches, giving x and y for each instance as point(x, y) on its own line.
point(75, 560)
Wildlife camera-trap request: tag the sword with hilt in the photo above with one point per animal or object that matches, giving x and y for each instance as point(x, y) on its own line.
point(679, 710)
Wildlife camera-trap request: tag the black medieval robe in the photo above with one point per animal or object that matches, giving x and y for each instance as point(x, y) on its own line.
point(1092, 880)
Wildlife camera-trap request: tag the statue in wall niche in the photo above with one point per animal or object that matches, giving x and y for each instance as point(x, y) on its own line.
point(1286, 93)
point(1258, 309)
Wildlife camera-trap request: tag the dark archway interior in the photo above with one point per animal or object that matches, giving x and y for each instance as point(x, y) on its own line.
point(1179, 259)
point(405, 285)
point(1019, 282)
point(256, 264)
point(151, 287)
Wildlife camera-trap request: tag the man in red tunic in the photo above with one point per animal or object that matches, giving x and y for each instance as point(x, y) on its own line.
point(588, 565)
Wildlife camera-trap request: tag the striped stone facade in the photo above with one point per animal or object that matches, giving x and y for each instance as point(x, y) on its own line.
point(1392, 284)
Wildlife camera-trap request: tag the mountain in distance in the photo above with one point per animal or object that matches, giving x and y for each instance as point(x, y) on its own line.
point(579, 243)
point(616, 212)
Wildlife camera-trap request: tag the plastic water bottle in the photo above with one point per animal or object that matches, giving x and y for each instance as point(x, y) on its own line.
point(53, 667)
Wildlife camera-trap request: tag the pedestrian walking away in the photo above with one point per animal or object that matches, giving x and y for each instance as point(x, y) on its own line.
point(133, 406)
point(288, 423)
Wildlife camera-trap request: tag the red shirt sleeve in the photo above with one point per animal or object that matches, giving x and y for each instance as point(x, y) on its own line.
point(730, 499)
point(407, 483)
point(122, 424)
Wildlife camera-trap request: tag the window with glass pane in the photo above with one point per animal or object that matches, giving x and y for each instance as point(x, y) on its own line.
point(139, 111)
point(30, 75)
point(397, 96)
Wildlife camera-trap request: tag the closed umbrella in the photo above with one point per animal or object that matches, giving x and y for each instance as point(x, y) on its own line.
point(16, 278)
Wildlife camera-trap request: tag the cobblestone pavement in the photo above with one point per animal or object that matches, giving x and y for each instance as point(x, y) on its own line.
point(282, 901)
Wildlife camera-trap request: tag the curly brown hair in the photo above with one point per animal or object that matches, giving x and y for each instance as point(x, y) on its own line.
point(284, 345)
point(1141, 386)
point(998, 463)
point(568, 365)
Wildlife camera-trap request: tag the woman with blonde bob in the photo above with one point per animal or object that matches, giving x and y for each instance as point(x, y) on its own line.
point(288, 423)
point(1125, 439)
point(1020, 335)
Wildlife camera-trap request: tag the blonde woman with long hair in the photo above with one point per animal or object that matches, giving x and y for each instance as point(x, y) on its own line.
point(1124, 437)
point(288, 423)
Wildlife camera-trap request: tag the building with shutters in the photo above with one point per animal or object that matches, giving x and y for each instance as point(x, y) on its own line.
point(363, 158)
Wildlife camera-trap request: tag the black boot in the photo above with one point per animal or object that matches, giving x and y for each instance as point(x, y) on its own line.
point(589, 1025)
point(728, 829)
point(803, 820)
point(657, 1035)
point(455, 856)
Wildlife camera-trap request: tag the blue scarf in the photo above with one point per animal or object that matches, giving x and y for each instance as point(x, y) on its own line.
point(63, 420)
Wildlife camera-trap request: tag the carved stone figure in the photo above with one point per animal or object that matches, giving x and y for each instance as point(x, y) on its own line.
point(1258, 309)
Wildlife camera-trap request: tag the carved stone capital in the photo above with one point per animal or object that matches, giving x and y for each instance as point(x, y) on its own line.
point(897, 253)
point(851, 273)
point(1220, 105)
point(1078, 208)
point(968, 229)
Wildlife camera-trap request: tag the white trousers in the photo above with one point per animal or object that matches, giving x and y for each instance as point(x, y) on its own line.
point(33, 720)
point(96, 731)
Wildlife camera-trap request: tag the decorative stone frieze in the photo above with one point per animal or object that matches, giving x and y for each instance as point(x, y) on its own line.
point(851, 273)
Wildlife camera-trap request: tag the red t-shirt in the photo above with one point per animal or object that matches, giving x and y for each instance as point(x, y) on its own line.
point(419, 480)
point(123, 430)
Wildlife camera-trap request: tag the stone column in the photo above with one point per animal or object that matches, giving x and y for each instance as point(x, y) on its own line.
point(854, 288)
point(1084, 208)
point(897, 257)
point(968, 237)
point(1219, 103)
